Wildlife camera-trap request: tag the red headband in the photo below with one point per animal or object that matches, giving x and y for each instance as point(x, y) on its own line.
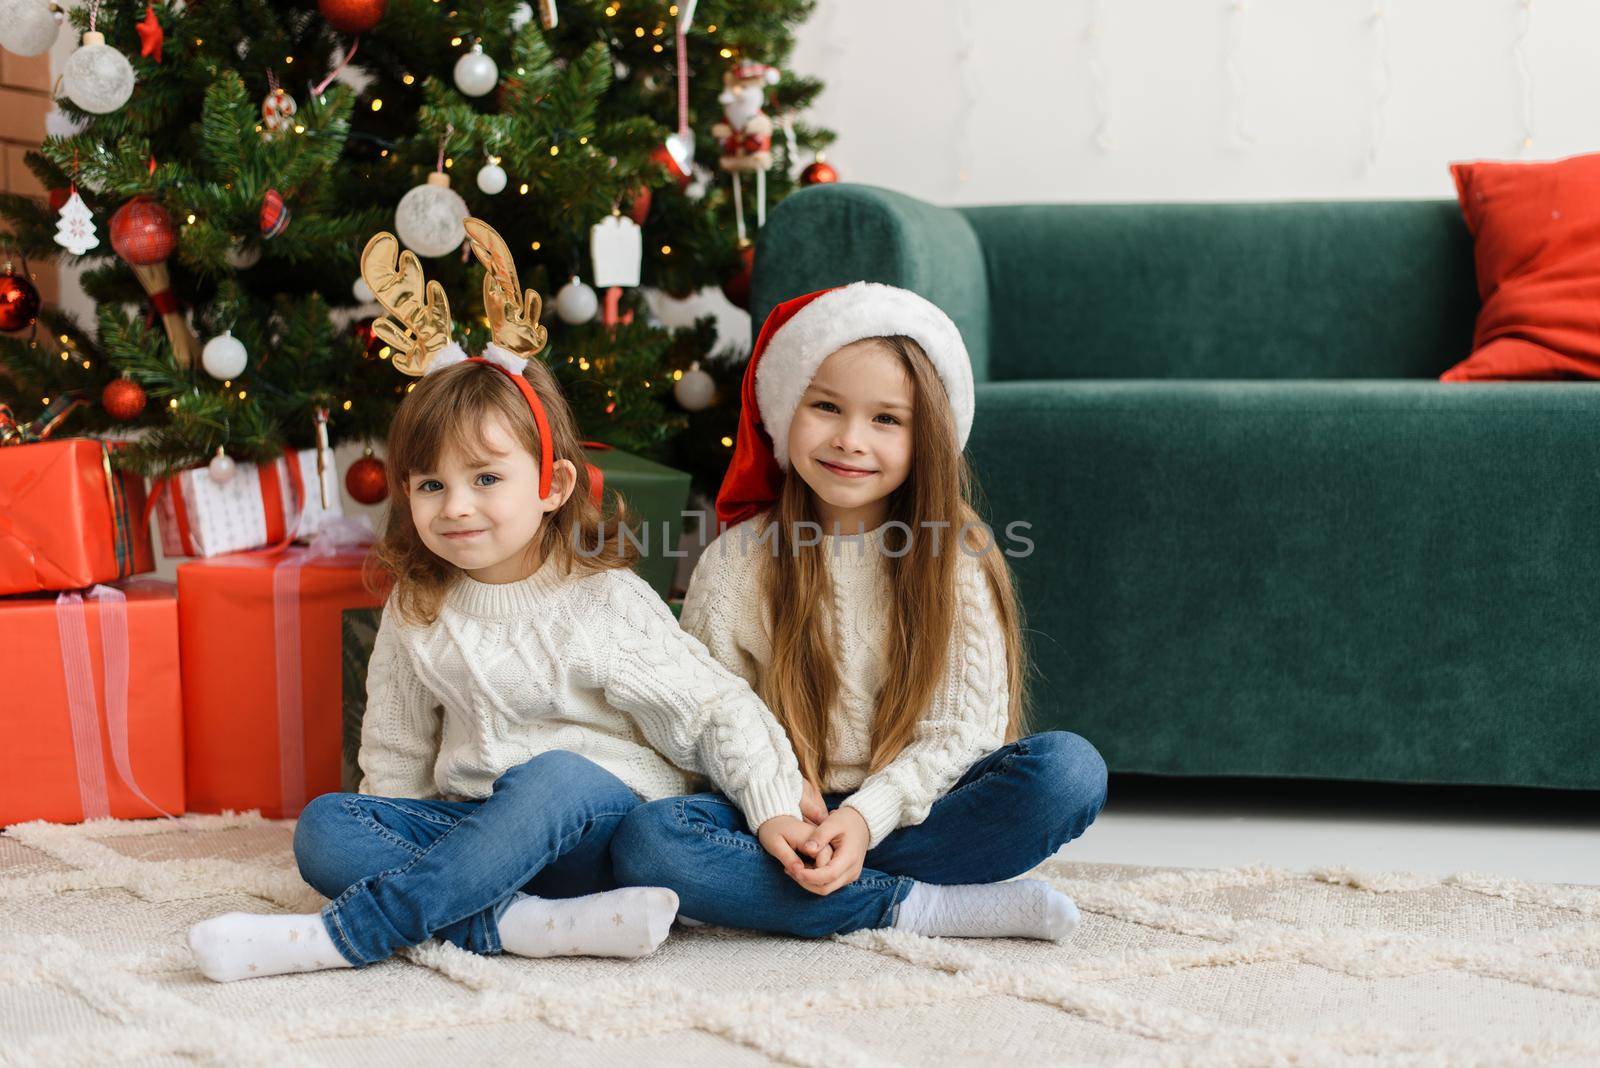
point(546, 454)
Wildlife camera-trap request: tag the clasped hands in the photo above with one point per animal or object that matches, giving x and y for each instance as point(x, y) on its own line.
point(822, 852)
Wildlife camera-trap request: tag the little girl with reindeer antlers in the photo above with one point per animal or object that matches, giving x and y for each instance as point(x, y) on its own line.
point(526, 690)
point(856, 590)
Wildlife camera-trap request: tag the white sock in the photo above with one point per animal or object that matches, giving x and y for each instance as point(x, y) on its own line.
point(630, 922)
point(1026, 908)
point(244, 945)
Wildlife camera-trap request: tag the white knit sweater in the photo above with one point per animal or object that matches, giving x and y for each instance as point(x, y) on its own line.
point(726, 609)
point(593, 664)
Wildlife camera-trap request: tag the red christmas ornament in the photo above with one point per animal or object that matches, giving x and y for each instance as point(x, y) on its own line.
point(661, 155)
point(141, 232)
point(819, 173)
point(638, 208)
point(59, 197)
point(352, 16)
point(19, 302)
point(736, 287)
point(366, 481)
point(123, 399)
point(274, 214)
point(150, 35)
point(362, 330)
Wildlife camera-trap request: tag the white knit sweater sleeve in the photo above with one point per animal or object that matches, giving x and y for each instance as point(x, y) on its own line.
point(722, 606)
point(400, 729)
point(965, 722)
point(692, 710)
point(723, 609)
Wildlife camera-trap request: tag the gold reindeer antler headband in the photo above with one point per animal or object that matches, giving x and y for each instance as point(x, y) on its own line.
point(420, 327)
point(513, 313)
point(418, 324)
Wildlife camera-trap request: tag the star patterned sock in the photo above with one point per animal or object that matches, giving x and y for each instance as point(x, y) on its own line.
point(244, 945)
point(630, 922)
point(1026, 908)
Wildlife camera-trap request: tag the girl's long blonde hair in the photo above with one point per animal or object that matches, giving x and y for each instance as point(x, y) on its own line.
point(451, 408)
point(802, 681)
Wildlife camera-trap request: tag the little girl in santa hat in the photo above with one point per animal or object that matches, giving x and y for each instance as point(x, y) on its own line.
point(856, 590)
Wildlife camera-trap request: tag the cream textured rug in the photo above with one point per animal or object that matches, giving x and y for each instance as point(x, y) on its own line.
point(1253, 966)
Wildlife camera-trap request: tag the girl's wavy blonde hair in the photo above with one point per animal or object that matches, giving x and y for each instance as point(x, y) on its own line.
point(802, 681)
point(449, 409)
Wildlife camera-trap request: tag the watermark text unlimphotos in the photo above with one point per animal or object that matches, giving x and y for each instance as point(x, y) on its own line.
point(892, 539)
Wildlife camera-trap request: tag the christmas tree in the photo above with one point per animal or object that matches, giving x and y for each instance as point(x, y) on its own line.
point(263, 143)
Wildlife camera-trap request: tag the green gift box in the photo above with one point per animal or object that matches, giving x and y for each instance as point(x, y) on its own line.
point(656, 497)
point(360, 631)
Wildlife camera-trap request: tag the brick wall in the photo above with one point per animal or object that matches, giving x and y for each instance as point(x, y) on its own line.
point(24, 100)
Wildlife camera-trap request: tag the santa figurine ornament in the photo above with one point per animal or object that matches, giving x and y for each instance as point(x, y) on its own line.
point(746, 132)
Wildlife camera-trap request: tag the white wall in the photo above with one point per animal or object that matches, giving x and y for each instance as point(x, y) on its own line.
point(1309, 70)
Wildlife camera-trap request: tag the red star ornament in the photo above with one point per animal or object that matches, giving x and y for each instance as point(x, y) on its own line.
point(150, 35)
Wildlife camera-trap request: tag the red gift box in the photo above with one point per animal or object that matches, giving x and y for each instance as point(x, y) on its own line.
point(67, 520)
point(261, 644)
point(260, 505)
point(91, 721)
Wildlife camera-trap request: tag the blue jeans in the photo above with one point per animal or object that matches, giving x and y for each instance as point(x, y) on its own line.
point(402, 870)
point(1010, 811)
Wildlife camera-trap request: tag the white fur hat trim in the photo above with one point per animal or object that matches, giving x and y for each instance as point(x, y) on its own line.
point(845, 315)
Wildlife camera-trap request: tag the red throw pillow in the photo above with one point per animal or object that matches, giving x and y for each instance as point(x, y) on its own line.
point(1536, 228)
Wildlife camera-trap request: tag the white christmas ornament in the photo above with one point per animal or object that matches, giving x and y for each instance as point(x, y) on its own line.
point(75, 226)
point(220, 468)
point(521, 15)
point(696, 389)
point(576, 303)
point(476, 73)
point(243, 255)
point(429, 217)
point(361, 291)
point(492, 177)
point(97, 77)
point(616, 248)
point(27, 27)
point(57, 123)
point(223, 357)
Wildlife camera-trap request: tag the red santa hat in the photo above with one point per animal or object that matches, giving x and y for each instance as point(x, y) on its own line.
point(750, 70)
point(797, 336)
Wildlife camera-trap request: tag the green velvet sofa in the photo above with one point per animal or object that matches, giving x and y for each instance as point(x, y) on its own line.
point(1267, 541)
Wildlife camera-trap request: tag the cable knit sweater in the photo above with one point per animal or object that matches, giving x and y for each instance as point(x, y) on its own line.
point(594, 664)
point(726, 609)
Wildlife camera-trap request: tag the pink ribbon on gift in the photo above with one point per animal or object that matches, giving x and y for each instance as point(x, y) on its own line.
point(84, 710)
point(343, 542)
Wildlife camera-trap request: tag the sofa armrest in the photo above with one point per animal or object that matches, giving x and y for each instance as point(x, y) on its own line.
point(830, 235)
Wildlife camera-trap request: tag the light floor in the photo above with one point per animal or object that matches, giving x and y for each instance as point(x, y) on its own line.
point(1535, 835)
